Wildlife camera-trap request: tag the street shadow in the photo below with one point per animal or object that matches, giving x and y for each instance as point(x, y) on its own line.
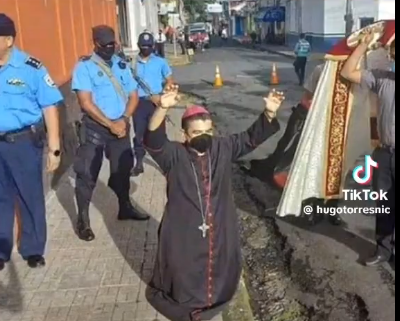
point(135, 240)
point(11, 299)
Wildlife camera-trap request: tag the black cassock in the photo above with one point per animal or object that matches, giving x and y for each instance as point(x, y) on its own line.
point(197, 272)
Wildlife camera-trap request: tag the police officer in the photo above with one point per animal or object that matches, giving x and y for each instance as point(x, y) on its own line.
point(151, 72)
point(27, 96)
point(107, 94)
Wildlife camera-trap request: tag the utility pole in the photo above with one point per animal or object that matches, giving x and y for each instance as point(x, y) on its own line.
point(349, 17)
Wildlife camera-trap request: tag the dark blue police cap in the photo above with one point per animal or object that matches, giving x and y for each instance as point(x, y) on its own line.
point(146, 39)
point(103, 35)
point(7, 26)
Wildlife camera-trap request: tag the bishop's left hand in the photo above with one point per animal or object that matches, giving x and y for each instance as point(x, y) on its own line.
point(274, 101)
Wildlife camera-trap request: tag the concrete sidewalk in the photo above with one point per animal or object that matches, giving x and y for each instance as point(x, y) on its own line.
point(100, 281)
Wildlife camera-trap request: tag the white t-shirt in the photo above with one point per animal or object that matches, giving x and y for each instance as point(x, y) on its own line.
point(161, 38)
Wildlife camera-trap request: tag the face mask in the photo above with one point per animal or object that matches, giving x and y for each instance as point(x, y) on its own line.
point(201, 143)
point(106, 53)
point(146, 52)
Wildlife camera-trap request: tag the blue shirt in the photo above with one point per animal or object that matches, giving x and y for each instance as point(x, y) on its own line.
point(303, 49)
point(153, 72)
point(26, 89)
point(89, 77)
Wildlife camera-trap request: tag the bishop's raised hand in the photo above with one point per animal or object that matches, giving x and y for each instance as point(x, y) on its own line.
point(170, 99)
point(273, 101)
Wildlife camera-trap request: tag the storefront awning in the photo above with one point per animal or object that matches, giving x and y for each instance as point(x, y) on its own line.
point(272, 14)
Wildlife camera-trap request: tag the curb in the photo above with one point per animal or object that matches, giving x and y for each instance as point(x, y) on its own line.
point(240, 308)
point(277, 52)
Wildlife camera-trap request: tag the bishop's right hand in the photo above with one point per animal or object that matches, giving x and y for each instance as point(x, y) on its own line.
point(170, 99)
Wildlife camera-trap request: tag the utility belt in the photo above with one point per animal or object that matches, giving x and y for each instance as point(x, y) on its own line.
point(36, 132)
point(90, 131)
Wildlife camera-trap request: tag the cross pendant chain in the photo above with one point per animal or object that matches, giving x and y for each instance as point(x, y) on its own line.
point(204, 228)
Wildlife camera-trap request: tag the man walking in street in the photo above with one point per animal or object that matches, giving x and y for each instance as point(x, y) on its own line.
point(302, 52)
point(28, 105)
point(160, 44)
point(107, 94)
point(383, 83)
point(198, 265)
point(151, 72)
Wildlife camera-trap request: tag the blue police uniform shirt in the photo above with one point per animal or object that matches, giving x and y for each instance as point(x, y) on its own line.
point(26, 88)
point(153, 72)
point(89, 77)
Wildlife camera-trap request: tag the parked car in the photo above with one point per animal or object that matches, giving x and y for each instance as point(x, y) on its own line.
point(197, 38)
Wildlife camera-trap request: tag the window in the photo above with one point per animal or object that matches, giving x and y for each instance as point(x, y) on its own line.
point(365, 22)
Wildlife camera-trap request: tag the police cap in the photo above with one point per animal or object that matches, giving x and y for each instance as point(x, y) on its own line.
point(7, 26)
point(103, 35)
point(146, 39)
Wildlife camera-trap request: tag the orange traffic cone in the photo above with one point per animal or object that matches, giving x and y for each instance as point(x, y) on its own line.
point(274, 76)
point(218, 83)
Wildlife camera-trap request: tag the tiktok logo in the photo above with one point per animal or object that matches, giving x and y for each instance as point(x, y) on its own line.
point(363, 174)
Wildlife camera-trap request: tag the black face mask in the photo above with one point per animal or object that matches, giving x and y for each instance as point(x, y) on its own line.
point(105, 53)
point(146, 52)
point(201, 143)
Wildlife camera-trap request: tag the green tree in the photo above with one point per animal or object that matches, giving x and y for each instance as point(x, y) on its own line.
point(196, 9)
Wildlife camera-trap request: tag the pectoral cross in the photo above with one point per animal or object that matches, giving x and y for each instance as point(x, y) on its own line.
point(204, 228)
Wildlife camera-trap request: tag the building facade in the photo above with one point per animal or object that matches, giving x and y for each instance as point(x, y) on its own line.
point(134, 17)
point(324, 20)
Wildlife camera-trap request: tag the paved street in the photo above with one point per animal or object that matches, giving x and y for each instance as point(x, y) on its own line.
point(99, 281)
point(105, 280)
point(326, 257)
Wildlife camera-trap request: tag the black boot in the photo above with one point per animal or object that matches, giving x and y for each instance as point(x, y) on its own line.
point(36, 261)
point(83, 229)
point(2, 264)
point(139, 168)
point(128, 212)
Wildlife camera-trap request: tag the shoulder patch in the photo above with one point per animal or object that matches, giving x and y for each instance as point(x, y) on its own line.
point(33, 62)
point(49, 81)
point(85, 58)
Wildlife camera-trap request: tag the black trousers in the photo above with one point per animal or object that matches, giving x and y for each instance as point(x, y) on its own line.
point(96, 141)
point(300, 65)
point(141, 120)
point(160, 49)
point(384, 179)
